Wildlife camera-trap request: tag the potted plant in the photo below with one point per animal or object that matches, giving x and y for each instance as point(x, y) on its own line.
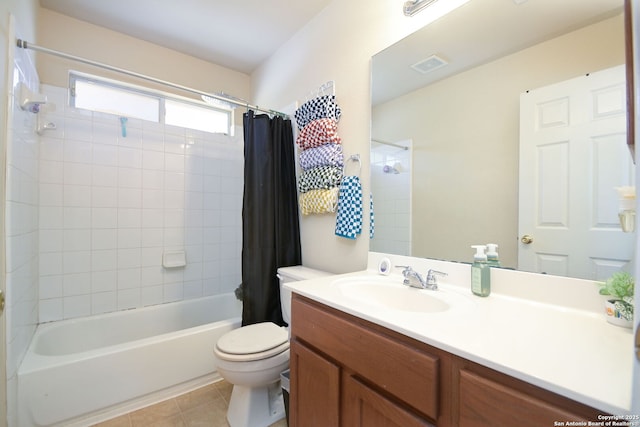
point(620, 308)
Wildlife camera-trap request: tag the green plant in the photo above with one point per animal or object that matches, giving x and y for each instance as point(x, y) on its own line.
point(621, 286)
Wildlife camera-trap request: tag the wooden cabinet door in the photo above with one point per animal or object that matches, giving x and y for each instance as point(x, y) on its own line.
point(487, 403)
point(364, 407)
point(315, 389)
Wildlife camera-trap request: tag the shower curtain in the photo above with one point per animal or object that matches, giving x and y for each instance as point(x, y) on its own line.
point(270, 227)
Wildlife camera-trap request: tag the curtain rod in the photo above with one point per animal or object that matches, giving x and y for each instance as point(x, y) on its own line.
point(27, 45)
point(390, 143)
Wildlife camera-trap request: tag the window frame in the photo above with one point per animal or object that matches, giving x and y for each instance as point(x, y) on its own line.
point(160, 96)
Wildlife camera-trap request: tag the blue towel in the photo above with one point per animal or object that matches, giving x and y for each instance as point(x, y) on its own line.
point(349, 219)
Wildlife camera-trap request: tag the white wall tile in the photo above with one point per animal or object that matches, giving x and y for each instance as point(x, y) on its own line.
point(129, 298)
point(152, 218)
point(76, 306)
point(77, 195)
point(103, 302)
point(174, 181)
point(153, 179)
point(129, 157)
point(129, 218)
point(50, 310)
point(105, 155)
point(102, 239)
point(152, 295)
point(51, 172)
point(104, 197)
point(76, 262)
point(77, 240)
point(104, 176)
point(76, 217)
point(77, 151)
point(51, 149)
point(77, 174)
point(104, 217)
point(104, 260)
point(76, 284)
point(129, 178)
point(129, 278)
point(103, 281)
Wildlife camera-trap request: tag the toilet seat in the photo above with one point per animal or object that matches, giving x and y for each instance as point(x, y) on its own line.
point(253, 342)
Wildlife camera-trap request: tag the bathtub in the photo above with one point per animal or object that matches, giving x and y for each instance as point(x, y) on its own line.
point(94, 367)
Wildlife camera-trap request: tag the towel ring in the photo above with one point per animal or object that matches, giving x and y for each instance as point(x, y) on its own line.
point(354, 158)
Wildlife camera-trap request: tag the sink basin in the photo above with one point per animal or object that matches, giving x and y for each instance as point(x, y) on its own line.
point(387, 293)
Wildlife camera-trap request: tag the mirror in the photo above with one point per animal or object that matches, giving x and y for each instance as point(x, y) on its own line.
point(445, 144)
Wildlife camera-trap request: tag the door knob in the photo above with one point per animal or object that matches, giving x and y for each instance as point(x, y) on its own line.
point(526, 239)
point(1, 302)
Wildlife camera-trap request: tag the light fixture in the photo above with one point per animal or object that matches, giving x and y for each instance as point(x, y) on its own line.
point(436, 9)
point(412, 7)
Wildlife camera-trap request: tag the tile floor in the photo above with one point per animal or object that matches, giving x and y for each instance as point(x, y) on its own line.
point(206, 406)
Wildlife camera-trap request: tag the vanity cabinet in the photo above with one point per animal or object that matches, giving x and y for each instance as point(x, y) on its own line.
point(346, 371)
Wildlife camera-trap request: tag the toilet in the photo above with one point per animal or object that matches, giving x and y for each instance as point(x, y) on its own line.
point(253, 357)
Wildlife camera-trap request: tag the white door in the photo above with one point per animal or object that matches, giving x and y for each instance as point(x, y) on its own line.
point(573, 155)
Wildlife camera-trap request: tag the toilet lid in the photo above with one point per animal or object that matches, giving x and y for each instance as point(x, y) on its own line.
point(251, 339)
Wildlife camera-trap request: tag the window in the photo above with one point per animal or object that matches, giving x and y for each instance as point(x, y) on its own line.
point(122, 99)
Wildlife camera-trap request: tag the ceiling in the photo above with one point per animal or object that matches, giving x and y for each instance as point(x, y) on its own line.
point(479, 32)
point(235, 34)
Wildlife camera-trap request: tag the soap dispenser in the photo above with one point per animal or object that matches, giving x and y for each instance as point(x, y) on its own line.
point(492, 255)
point(480, 272)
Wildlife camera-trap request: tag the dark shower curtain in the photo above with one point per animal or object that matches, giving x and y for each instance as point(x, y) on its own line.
point(270, 228)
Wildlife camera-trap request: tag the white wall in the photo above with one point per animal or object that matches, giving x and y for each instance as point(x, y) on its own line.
point(336, 45)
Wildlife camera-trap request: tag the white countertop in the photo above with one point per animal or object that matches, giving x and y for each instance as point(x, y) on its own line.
point(570, 351)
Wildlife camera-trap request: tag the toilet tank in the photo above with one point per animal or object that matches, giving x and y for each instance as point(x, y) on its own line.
point(294, 274)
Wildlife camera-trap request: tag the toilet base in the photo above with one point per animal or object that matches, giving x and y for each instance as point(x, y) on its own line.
point(255, 406)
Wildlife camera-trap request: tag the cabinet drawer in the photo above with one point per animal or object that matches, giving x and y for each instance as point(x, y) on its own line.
point(407, 373)
point(484, 402)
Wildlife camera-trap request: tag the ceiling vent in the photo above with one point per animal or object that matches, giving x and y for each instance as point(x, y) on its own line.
point(429, 64)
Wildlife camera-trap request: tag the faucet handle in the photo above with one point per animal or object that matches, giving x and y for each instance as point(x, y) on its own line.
point(431, 276)
point(406, 269)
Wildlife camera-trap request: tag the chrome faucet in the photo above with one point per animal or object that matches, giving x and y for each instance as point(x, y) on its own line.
point(415, 280)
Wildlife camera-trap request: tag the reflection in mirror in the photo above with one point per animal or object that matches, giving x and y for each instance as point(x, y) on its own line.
point(461, 123)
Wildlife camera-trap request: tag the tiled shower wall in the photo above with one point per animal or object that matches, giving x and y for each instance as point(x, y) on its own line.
point(21, 224)
point(114, 198)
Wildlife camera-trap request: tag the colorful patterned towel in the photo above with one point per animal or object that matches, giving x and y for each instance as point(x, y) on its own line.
point(324, 155)
point(317, 133)
point(318, 178)
point(318, 108)
point(349, 219)
point(319, 201)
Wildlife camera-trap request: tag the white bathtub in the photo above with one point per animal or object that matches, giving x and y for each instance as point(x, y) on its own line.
point(77, 369)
